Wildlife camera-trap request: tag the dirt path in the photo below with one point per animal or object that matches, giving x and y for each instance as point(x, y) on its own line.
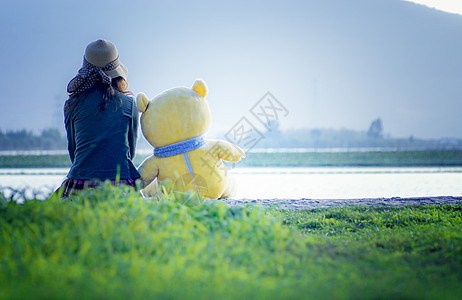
point(307, 204)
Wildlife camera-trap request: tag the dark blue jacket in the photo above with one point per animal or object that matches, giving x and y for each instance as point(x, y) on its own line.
point(102, 143)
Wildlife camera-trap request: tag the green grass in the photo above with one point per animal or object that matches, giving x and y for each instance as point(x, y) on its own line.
point(35, 161)
point(283, 159)
point(366, 158)
point(110, 243)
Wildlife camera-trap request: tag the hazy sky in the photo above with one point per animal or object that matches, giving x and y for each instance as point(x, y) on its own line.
point(331, 63)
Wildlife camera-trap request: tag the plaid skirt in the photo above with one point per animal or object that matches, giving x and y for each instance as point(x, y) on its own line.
point(70, 186)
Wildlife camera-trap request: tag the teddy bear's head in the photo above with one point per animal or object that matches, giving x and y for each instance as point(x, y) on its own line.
point(175, 115)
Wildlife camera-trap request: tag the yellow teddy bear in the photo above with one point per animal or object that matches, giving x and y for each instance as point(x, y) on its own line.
point(174, 123)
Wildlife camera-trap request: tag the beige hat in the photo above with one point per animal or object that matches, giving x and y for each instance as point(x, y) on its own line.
point(102, 52)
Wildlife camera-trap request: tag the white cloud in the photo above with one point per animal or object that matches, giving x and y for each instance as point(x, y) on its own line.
point(452, 6)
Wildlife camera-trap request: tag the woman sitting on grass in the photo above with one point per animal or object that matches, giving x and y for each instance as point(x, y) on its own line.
point(101, 122)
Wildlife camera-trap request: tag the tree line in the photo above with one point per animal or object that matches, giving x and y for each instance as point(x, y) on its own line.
point(47, 139)
point(54, 139)
point(346, 138)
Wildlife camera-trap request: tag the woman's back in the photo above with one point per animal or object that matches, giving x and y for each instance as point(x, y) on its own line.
point(103, 141)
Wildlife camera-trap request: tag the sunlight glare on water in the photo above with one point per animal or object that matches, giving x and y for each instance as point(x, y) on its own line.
point(348, 185)
point(297, 183)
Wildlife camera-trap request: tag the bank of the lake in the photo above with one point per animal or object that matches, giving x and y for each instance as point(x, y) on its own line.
point(274, 158)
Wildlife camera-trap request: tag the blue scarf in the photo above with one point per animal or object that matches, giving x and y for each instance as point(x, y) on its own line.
point(180, 147)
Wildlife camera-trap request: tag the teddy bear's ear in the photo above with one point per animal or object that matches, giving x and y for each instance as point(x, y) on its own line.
point(142, 102)
point(200, 87)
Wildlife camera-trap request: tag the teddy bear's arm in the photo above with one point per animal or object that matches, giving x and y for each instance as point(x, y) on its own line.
point(148, 170)
point(228, 151)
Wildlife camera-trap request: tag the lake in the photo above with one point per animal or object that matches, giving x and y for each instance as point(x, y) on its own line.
point(297, 183)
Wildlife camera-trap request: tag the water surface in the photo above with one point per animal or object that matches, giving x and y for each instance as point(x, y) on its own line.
point(297, 183)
